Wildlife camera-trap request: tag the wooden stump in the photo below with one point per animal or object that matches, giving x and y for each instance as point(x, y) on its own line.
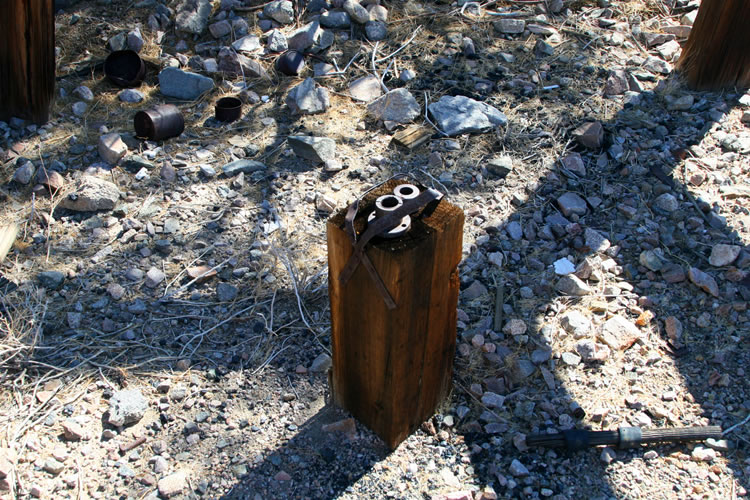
point(717, 53)
point(392, 368)
point(27, 59)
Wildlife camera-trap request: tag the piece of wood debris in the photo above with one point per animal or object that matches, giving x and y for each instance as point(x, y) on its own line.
point(412, 136)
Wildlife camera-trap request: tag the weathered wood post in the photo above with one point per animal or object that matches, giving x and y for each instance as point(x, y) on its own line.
point(27, 59)
point(392, 365)
point(717, 53)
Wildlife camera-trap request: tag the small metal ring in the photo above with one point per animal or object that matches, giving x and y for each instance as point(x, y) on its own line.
point(406, 191)
point(387, 203)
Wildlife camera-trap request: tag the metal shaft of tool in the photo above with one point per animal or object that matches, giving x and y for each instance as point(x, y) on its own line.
point(624, 437)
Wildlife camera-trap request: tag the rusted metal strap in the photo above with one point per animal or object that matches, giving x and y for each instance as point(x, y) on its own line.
point(351, 213)
point(377, 227)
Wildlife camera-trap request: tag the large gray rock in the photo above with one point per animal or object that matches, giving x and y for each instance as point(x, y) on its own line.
point(192, 16)
point(235, 64)
point(398, 106)
point(249, 43)
point(317, 149)
point(281, 11)
point(184, 85)
point(366, 88)
point(376, 31)
point(355, 10)
point(277, 41)
point(91, 194)
point(335, 19)
point(456, 115)
point(127, 407)
point(307, 99)
point(51, 280)
point(305, 37)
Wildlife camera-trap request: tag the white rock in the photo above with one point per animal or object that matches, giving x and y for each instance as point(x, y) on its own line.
point(111, 148)
point(723, 255)
point(564, 267)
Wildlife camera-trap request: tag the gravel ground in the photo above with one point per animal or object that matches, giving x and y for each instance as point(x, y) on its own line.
point(169, 336)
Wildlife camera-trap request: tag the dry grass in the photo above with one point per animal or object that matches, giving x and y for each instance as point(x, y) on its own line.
point(22, 315)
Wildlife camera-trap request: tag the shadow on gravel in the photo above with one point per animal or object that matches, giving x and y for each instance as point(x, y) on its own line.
point(325, 456)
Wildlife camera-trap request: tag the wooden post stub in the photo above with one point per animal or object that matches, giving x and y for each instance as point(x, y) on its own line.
point(393, 367)
point(27, 59)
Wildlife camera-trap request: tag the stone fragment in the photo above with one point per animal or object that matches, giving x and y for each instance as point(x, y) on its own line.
point(673, 273)
point(619, 333)
point(474, 291)
point(376, 31)
point(92, 194)
point(277, 42)
point(570, 359)
point(576, 323)
point(325, 204)
point(517, 469)
point(55, 467)
point(500, 166)
point(249, 43)
point(689, 18)
point(24, 173)
point(571, 203)
point(493, 400)
point(131, 95)
point(242, 166)
point(657, 65)
point(281, 11)
point(509, 26)
point(111, 148)
point(84, 93)
point(653, 260)
point(589, 135)
point(398, 106)
point(572, 285)
point(126, 407)
point(226, 292)
point(335, 19)
point(617, 83)
point(704, 281)
point(595, 241)
point(347, 426)
point(220, 29)
point(670, 50)
point(563, 267)
point(365, 89)
point(515, 327)
point(673, 328)
point(590, 351)
point(681, 103)
point(232, 63)
point(79, 108)
point(72, 430)
point(321, 363)
point(118, 42)
point(51, 280)
point(192, 16)
point(377, 12)
point(356, 12)
point(135, 40)
point(317, 149)
point(723, 255)
point(574, 163)
point(307, 98)
point(154, 276)
point(305, 37)
point(173, 484)
point(183, 85)
point(456, 115)
point(50, 179)
point(702, 454)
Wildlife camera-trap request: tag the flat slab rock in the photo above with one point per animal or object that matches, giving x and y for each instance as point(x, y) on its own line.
point(317, 149)
point(456, 115)
point(92, 194)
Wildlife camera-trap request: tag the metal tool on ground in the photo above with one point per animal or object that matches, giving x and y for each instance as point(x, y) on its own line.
point(624, 437)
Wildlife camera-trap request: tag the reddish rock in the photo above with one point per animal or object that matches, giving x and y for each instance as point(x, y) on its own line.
point(704, 281)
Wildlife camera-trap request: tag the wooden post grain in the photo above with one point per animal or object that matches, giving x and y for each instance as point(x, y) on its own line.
point(717, 53)
point(27, 59)
point(392, 368)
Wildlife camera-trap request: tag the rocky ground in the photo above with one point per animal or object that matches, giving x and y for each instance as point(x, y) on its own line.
point(169, 335)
